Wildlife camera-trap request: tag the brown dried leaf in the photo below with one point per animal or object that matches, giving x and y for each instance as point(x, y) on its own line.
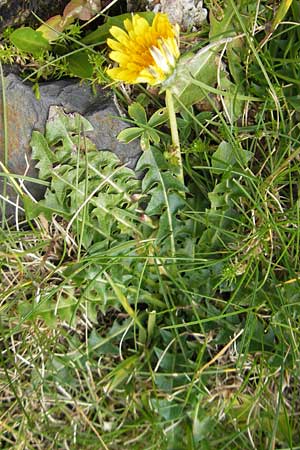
point(82, 9)
point(52, 27)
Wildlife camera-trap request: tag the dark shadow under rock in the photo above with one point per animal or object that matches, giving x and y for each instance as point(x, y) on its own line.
point(14, 13)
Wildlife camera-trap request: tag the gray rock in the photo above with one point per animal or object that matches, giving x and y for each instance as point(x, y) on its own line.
point(188, 14)
point(26, 113)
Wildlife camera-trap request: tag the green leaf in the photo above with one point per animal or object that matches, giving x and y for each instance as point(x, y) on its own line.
point(202, 428)
point(121, 373)
point(158, 118)
point(33, 209)
point(66, 308)
point(147, 137)
point(235, 55)
point(123, 300)
point(162, 186)
point(168, 222)
point(52, 204)
point(156, 203)
point(145, 141)
point(153, 136)
point(95, 341)
point(129, 134)
point(158, 172)
point(226, 156)
point(233, 100)
point(171, 182)
point(79, 65)
point(223, 158)
point(29, 40)
point(61, 126)
point(294, 101)
point(169, 410)
point(152, 159)
point(223, 27)
point(137, 113)
point(201, 66)
point(42, 152)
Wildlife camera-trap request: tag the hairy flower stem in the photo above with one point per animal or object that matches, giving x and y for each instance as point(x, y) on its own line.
point(174, 132)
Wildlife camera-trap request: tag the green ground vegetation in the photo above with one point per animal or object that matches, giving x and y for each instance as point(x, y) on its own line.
point(138, 312)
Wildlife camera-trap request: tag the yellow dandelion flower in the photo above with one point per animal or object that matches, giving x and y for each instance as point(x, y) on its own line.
point(145, 53)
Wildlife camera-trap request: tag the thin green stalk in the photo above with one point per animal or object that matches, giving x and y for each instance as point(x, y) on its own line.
point(174, 132)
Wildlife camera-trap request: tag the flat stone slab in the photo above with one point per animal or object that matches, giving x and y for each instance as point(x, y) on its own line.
point(26, 113)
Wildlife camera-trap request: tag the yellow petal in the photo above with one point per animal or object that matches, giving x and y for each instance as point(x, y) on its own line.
point(139, 22)
point(128, 25)
point(173, 47)
point(145, 53)
point(162, 25)
point(119, 57)
point(115, 45)
point(118, 33)
point(119, 74)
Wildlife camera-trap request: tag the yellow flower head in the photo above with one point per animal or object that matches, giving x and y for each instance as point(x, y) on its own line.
point(145, 53)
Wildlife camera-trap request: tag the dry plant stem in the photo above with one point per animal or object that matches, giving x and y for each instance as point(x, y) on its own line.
point(174, 132)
